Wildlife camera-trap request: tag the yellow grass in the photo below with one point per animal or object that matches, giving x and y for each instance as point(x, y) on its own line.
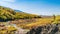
point(40, 22)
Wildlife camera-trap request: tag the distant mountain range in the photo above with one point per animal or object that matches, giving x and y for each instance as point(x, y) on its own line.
point(18, 11)
point(10, 14)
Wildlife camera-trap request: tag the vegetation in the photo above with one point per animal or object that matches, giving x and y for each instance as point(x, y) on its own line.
point(23, 20)
point(7, 29)
point(9, 14)
point(43, 22)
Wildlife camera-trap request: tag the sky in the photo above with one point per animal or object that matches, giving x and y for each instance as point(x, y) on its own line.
point(39, 7)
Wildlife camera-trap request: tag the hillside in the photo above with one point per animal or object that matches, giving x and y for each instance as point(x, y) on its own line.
point(35, 24)
point(9, 14)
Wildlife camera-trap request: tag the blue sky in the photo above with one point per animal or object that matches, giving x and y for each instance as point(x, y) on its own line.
point(40, 7)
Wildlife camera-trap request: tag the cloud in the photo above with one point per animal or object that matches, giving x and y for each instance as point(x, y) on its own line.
point(8, 0)
point(7, 3)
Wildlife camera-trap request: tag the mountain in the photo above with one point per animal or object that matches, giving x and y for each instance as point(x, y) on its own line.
point(18, 11)
point(10, 14)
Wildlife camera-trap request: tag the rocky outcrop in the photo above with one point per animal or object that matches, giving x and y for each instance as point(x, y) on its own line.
point(48, 29)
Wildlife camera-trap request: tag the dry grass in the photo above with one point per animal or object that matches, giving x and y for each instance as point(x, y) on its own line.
point(39, 22)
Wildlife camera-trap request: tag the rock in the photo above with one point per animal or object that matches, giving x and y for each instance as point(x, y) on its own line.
point(48, 29)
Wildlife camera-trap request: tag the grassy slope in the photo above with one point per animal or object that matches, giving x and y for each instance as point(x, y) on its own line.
point(8, 13)
point(43, 21)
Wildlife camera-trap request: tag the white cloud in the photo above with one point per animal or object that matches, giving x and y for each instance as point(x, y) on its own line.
point(8, 0)
point(7, 3)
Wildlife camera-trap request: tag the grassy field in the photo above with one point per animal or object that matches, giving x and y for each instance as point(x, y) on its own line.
point(42, 22)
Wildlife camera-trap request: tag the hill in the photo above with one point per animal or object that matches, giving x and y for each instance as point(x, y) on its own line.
point(10, 14)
